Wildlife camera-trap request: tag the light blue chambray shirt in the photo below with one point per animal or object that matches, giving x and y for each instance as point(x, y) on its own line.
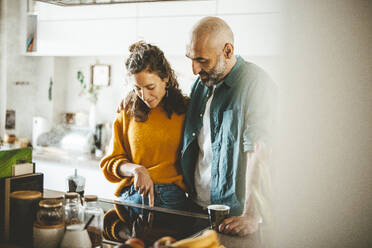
point(240, 116)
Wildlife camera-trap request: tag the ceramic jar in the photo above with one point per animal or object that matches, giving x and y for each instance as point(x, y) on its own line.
point(76, 237)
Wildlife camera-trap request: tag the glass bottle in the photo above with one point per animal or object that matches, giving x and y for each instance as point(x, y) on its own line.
point(95, 227)
point(75, 183)
point(73, 210)
point(51, 213)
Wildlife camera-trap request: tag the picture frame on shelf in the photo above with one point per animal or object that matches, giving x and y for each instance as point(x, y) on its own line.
point(100, 75)
point(10, 119)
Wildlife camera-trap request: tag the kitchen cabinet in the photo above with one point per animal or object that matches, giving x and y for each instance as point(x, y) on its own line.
point(256, 35)
point(171, 40)
point(177, 9)
point(85, 37)
point(108, 30)
point(251, 6)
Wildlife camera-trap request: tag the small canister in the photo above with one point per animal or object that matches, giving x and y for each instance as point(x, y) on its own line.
point(23, 207)
point(49, 226)
point(73, 209)
point(93, 213)
point(51, 212)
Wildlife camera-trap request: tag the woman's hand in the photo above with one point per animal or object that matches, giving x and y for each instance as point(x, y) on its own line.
point(142, 180)
point(144, 184)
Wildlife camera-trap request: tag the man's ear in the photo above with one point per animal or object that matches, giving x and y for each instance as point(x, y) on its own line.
point(228, 50)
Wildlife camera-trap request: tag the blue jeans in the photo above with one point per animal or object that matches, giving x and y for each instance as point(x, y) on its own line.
point(165, 196)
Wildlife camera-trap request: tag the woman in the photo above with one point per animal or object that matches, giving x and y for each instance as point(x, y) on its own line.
point(147, 133)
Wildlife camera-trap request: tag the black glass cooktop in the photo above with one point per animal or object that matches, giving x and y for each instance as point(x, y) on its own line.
point(123, 221)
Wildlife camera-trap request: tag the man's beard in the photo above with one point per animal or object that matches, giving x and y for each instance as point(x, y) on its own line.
point(216, 74)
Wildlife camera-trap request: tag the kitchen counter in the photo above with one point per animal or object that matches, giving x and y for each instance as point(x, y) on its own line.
point(59, 155)
point(57, 164)
point(124, 218)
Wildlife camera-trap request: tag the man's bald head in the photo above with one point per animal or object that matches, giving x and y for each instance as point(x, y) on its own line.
point(212, 30)
point(211, 50)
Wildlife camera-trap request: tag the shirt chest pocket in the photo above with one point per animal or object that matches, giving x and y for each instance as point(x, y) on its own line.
point(228, 126)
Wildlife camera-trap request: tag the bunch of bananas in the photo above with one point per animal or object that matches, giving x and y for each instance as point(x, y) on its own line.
point(208, 239)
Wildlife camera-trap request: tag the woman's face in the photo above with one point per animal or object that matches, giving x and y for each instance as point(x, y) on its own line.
point(149, 87)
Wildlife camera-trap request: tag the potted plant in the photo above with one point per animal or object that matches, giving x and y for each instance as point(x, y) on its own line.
point(91, 91)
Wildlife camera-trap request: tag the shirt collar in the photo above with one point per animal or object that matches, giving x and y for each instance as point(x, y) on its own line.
point(231, 76)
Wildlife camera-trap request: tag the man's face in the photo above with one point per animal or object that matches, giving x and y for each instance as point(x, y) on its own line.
point(208, 62)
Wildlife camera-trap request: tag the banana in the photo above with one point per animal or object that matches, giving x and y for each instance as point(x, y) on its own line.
point(164, 242)
point(208, 239)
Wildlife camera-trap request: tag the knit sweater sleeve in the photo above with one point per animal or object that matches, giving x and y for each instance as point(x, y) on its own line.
point(117, 153)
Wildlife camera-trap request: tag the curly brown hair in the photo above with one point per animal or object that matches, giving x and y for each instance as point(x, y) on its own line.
point(144, 56)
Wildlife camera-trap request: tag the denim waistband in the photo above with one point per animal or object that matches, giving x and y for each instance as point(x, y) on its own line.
point(162, 187)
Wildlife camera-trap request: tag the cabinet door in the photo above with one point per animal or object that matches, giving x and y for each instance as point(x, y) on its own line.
point(85, 30)
point(86, 37)
point(170, 34)
point(177, 9)
point(248, 6)
point(51, 12)
point(256, 35)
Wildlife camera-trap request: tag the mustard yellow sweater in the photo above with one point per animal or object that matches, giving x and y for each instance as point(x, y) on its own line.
point(153, 144)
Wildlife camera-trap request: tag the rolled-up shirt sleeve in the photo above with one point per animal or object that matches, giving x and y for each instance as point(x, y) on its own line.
point(259, 113)
point(117, 153)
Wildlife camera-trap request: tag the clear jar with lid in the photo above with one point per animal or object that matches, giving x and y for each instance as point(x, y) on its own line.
point(51, 213)
point(95, 227)
point(73, 209)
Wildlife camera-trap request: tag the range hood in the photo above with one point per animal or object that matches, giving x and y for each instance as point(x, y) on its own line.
point(96, 2)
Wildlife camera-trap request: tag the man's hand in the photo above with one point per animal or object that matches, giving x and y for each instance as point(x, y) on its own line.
point(120, 107)
point(239, 225)
point(144, 184)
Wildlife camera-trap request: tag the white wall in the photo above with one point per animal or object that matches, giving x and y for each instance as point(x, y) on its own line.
point(68, 88)
point(323, 186)
point(28, 99)
point(2, 67)
point(108, 98)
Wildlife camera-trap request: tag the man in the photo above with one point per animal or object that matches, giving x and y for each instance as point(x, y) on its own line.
point(225, 144)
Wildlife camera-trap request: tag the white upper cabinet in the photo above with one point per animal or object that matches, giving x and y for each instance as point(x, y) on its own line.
point(85, 30)
point(256, 25)
point(256, 35)
point(177, 9)
point(109, 29)
point(170, 34)
point(248, 6)
point(50, 12)
point(167, 24)
point(85, 37)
